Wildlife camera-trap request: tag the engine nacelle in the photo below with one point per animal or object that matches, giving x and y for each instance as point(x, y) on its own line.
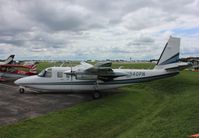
point(86, 77)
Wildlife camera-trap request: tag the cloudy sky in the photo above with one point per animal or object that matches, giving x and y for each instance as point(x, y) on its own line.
point(96, 29)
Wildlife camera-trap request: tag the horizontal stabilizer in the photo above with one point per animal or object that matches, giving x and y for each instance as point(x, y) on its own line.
point(179, 66)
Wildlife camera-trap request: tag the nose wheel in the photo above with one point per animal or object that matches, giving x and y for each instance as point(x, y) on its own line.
point(21, 90)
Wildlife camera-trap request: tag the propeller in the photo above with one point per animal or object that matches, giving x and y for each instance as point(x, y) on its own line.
point(71, 70)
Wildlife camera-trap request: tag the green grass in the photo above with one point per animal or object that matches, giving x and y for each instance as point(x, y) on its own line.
point(43, 65)
point(167, 108)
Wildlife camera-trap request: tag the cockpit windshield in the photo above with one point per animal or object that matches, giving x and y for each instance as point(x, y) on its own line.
point(41, 74)
point(46, 73)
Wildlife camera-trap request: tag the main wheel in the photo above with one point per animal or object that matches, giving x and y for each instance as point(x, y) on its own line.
point(96, 95)
point(21, 90)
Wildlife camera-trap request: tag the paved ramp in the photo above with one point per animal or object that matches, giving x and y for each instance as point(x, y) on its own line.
point(15, 106)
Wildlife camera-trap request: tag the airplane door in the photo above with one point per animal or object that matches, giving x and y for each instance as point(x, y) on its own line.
point(64, 81)
point(68, 80)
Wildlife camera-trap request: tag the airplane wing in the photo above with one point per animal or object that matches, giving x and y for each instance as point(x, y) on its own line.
point(104, 73)
point(103, 64)
point(86, 65)
point(15, 65)
point(80, 68)
point(101, 71)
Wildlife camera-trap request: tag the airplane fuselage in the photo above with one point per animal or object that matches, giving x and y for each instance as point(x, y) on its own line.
point(58, 81)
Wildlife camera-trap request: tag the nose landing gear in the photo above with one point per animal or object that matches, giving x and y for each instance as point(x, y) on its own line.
point(21, 90)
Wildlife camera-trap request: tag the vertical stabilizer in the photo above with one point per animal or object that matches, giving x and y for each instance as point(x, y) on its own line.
point(170, 54)
point(9, 60)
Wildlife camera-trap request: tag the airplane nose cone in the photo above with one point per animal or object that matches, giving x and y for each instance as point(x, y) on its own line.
point(26, 80)
point(17, 82)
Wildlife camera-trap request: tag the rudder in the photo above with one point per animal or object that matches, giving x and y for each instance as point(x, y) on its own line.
point(170, 54)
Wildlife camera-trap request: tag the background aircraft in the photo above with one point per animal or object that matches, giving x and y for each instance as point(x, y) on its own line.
point(10, 71)
point(87, 77)
point(9, 60)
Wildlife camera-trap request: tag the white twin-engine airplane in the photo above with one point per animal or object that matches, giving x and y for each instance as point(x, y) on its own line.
point(87, 77)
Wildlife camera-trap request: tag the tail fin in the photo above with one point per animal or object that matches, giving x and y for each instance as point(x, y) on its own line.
point(169, 59)
point(170, 54)
point(9, 60)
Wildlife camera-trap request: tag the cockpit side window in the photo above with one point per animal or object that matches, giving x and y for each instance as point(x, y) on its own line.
point(48, 74)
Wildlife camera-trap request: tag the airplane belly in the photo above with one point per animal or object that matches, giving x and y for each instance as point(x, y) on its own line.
point(51, 88)
point(83, 88)
point(94, 87)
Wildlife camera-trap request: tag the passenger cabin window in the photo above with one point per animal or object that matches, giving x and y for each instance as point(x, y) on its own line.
point(59, 74)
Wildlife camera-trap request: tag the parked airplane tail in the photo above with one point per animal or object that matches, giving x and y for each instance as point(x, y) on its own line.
point(170, 54)
point(169, 58)
point(9, 60)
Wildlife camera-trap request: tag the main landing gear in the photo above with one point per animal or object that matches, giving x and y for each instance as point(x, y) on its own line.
point(96, 95)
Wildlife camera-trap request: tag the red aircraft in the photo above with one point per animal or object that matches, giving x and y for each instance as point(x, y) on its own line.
point(10, 71)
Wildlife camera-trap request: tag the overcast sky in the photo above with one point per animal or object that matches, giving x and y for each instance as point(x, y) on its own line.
point(96, 29)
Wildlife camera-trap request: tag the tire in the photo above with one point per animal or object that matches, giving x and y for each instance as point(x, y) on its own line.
point(96, 95)
point(21, 90)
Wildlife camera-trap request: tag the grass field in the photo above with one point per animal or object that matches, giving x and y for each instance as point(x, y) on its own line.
point(44, 65)
point(167, 108)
